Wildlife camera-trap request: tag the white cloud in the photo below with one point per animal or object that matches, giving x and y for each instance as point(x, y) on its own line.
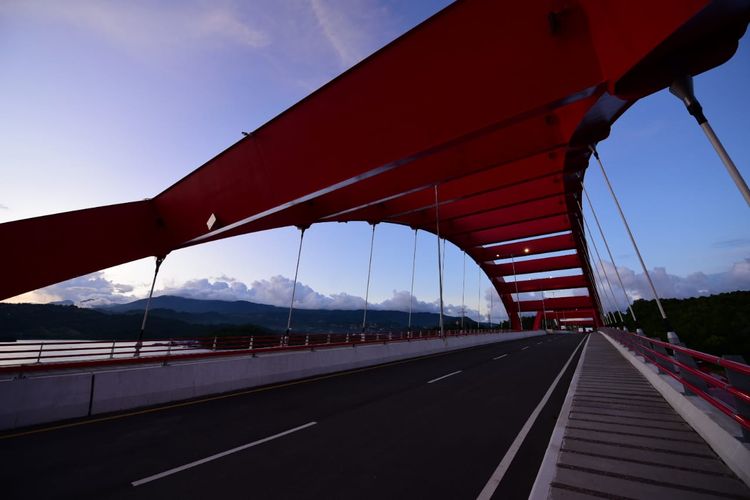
point(341, 22)
point(94, 290)
point(90, 290)
point(737, 277)
point(277, 291)
point(145, 27)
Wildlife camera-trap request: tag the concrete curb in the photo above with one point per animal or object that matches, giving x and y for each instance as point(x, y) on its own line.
point(49, 398)
point(733, 452)
point(541, 488)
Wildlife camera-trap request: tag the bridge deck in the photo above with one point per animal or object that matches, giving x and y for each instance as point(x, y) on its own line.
point(622, 440)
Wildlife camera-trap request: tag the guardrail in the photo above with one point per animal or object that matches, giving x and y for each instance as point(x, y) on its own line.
point(33, 356)
point(697, 372)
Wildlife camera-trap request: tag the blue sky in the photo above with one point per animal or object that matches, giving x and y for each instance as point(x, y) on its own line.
point(107, 102)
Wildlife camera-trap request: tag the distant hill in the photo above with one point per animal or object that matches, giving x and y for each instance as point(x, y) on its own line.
point(176, 317)
point(214, 312)
point(196, 306)
point(49, 321)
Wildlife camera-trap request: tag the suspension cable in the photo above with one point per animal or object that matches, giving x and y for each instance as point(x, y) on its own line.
point(463, 294)
point(479, 293)
point(413, 267)
point(606, 245)
point(367, 289)
point(139, 344)
point(440, 269)
point(632, 239)
point(444, 256)
point(518, 302)
point(489, 313)
point(591, 269)
point(608, 298)
point(601, 263)
point(294, 286)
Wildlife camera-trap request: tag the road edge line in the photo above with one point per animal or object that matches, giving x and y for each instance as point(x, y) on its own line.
point(504, 465)
point(540, 490)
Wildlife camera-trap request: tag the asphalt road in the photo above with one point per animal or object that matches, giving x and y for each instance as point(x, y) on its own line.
point(434, 427)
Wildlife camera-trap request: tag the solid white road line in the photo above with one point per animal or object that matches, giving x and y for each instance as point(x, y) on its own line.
point(218, 455)
point(499, 357)
point(548, 467)
point(444, 376)
point(502, 468)
point(538, 343)
point(524, 348)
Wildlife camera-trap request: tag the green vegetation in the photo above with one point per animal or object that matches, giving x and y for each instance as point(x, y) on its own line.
point(717, 324)
point(55, 322)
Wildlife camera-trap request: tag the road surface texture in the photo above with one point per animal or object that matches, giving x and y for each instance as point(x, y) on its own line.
point(433, 427)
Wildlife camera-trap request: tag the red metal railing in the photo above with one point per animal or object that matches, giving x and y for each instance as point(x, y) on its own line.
point(31, 356)
point(695, 370)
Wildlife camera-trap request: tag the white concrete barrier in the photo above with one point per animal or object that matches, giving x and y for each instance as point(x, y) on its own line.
point(39, 399)
point(29, 401)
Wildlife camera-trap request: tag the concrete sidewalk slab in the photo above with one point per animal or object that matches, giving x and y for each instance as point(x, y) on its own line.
point(618, 438)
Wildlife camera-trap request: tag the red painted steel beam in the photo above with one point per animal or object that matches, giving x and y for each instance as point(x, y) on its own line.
point(517, 231)
point(557, 303)
point(45, 250)
point(509, 199)
point(586, 313)
point(579, 322)
point(544, 284)
point(534, 265)
point(508, 177)
point(529, 211)
point(501, 145)
point(529, 247)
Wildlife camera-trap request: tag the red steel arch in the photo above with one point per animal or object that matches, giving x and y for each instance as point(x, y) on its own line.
point(494, 102)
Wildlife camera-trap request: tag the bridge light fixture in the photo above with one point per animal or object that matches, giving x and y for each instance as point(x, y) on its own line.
point(526, 250)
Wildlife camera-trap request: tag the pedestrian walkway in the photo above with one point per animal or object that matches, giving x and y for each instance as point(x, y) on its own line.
point(621, 439)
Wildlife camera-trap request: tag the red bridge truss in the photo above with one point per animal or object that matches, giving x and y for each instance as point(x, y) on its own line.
point(494, 102)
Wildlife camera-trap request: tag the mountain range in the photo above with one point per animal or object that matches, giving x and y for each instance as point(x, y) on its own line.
point(174, 317)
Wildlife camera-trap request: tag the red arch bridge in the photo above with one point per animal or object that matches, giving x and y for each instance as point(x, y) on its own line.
point(478, 122)
point(477, 125)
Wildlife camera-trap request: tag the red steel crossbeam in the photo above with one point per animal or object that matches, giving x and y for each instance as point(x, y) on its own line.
point(544, 284)
point(528, 247)
point(534, 266)
point(557, 303)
